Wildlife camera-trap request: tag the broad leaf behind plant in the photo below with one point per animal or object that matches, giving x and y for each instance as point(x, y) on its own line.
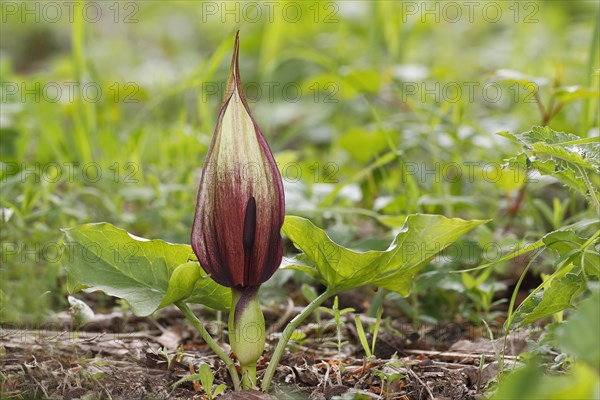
point(103, 257)
point(421, 239)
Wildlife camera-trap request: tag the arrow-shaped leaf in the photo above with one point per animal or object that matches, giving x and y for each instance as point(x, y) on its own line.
point(103, 257)
point(421, 238)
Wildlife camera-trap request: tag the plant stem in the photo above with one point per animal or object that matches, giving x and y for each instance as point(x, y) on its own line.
point(246, 332)
point(590, 240)
point(590, 188)
point(211, 343)
point(287, 334)
point(248, 376)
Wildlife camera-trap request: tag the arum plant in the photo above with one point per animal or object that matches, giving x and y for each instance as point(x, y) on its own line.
point(236, 246)
point(239, 214)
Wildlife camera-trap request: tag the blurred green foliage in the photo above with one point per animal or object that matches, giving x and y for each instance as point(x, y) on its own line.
point(579, 337)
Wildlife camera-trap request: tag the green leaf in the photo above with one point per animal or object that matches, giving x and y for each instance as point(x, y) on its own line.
point(557, 297)
point(568, 176)
point(530, 383)
point(567, 157)
point(509, 136)
point(513, 175)
point(182, 282)
point(545, 134)
point(580, 157)
point(569, 245)
point(468, 281)
point(361, 335)
point(80, 311)
point(579, 335)
point(105, 258)
point(565, 146)
point(189, 378)
point(563, 241)
point(210, 293)
point(219, 389)
point(206, 377)
point(421, 238)
point(591, 261)
point(571, 93)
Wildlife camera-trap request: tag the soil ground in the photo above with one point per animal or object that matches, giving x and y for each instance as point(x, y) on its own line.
point(119, 356)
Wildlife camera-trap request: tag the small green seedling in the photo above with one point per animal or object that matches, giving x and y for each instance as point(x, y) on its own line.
point(387, 379)
point(369, 351)
point(164, 353)
point(362, 336)
point(206, 378)
point(339, 324)
point(298, 337)
point(81, 313)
